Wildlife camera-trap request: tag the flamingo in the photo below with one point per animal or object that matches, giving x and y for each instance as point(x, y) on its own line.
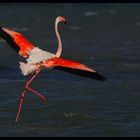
point(38, 59)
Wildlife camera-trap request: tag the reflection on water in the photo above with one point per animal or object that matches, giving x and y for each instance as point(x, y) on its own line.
point(103, 36)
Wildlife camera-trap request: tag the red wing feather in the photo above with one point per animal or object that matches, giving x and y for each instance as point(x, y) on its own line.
point(67, 63)
point(73, 67)
point(17, 41)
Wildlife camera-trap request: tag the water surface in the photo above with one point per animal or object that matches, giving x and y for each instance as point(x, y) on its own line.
point(102, 36)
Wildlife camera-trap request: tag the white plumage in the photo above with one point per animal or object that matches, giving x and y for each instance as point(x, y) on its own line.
point(27, 68)
point(36, 56)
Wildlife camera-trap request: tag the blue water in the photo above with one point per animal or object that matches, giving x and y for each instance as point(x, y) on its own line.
point(102, 36)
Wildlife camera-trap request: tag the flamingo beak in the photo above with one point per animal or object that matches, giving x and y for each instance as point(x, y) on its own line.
point(63, 19)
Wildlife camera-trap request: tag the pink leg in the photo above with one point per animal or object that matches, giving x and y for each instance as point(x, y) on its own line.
point(31, 90)
point(38, 94)
point(21, 101)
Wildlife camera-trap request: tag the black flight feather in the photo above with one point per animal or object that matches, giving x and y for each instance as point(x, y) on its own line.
point(9, 40)
point(87, 74)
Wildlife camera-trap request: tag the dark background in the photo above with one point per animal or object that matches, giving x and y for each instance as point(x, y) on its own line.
point(103, 36)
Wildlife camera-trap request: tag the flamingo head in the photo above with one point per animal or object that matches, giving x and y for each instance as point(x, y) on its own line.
point(61, 19)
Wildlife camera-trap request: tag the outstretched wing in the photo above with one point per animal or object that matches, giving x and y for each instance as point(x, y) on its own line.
point(73, 67)
point(17, 41)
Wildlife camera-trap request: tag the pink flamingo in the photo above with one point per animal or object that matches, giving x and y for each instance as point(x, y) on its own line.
point(37, 59)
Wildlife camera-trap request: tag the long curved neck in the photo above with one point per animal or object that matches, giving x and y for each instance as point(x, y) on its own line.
point(59, 50)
